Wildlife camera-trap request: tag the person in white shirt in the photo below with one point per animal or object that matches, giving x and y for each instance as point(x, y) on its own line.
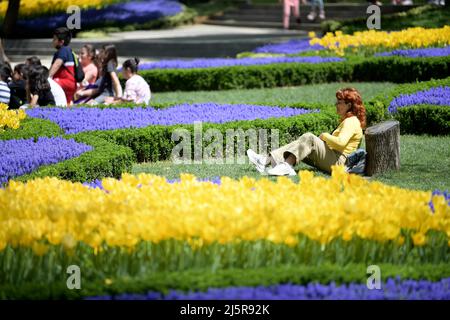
point(136, 88)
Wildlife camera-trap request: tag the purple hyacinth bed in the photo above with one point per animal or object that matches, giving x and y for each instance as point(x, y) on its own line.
point(392, 289)
point(439, 96)
point(289, 47)
point(23, 156)
point(81, 119)
point(222, 62)
point(418, 53)
point(127, 12)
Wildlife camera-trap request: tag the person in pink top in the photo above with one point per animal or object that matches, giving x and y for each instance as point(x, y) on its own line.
point(137, 89)
point(287, 4)
point(87, 60)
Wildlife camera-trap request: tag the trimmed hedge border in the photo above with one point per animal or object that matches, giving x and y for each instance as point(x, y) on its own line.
point(394, 69)
point(105, 160)
point(201, 280)
point(116, 150)
point(424, 119)
point(154, 143)
point(420, 119)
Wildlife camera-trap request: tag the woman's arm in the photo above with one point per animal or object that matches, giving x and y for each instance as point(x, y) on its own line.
point(87, 93)
point(88, 76)
point(34, 100)
point(55, 67)
point(116, 85)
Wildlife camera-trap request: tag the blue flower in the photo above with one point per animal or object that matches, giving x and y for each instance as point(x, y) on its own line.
point(436, 96)
point(24, 156)
point(81, 119)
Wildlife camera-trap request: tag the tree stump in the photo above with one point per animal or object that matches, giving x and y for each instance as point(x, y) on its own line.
point(383, 147)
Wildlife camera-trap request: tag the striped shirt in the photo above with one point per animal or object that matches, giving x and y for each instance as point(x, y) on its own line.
point(5, 93)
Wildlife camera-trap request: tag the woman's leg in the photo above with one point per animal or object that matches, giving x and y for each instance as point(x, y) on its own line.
point(296, 8)
point(299, 148)
point(322, 157)
point(286, 13)
point(321, 9)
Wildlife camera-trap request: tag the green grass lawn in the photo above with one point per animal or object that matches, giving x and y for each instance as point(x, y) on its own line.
point(315, 93)
point(425, 165)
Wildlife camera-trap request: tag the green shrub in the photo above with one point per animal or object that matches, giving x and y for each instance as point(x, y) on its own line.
point(396, 69)
point(424, 119)
point(32, 128)
point(154, 143)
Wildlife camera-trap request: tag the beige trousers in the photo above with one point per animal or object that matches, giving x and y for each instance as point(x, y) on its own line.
point(312, 151)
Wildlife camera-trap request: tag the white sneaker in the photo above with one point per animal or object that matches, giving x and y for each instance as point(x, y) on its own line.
point(311, 16)
point(322, 15)
point(258, 160)
point(282, 169)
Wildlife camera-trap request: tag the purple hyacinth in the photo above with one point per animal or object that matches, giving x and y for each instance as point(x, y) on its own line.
point(98, 183)
point(392, 289)
point(126, 12)
point(76, 120)
point(437, 96)
point(438, 192)
point(418, 53)
point(289, 47)
point(23, 156)
point(223, 62)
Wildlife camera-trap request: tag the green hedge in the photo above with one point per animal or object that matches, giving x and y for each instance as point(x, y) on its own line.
point(105, 160)
point(32, 128)
point(395, 69)
point(154, 143)
point(201, 280)
point(422, 119)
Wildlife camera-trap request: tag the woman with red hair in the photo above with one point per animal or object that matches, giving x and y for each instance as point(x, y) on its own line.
point(324, 151)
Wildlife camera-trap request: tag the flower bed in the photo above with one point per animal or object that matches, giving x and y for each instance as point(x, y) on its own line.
point(418, 53)
point(10, 118)
point(289, 47)
point(87, 119)
point(127, 236)
point(44, 7)
point(393, 289)
point(219, 62)
point(411, 38)
point(128, 12)
point(439, 96)
point(20, 157)
point(151, 205)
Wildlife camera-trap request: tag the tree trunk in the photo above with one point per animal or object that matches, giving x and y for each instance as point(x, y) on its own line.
point(383, 147)
point(12, 14)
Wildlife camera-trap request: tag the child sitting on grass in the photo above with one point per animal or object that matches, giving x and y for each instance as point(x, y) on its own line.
point(137, 89)
point(38, 87)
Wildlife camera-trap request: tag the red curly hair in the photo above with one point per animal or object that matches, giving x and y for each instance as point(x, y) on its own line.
point(353, 97)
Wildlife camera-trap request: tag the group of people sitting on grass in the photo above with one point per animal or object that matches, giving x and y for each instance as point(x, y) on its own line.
point(31, 84)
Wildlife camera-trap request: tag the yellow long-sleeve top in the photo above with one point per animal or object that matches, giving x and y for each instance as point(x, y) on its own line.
point(346, 137)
